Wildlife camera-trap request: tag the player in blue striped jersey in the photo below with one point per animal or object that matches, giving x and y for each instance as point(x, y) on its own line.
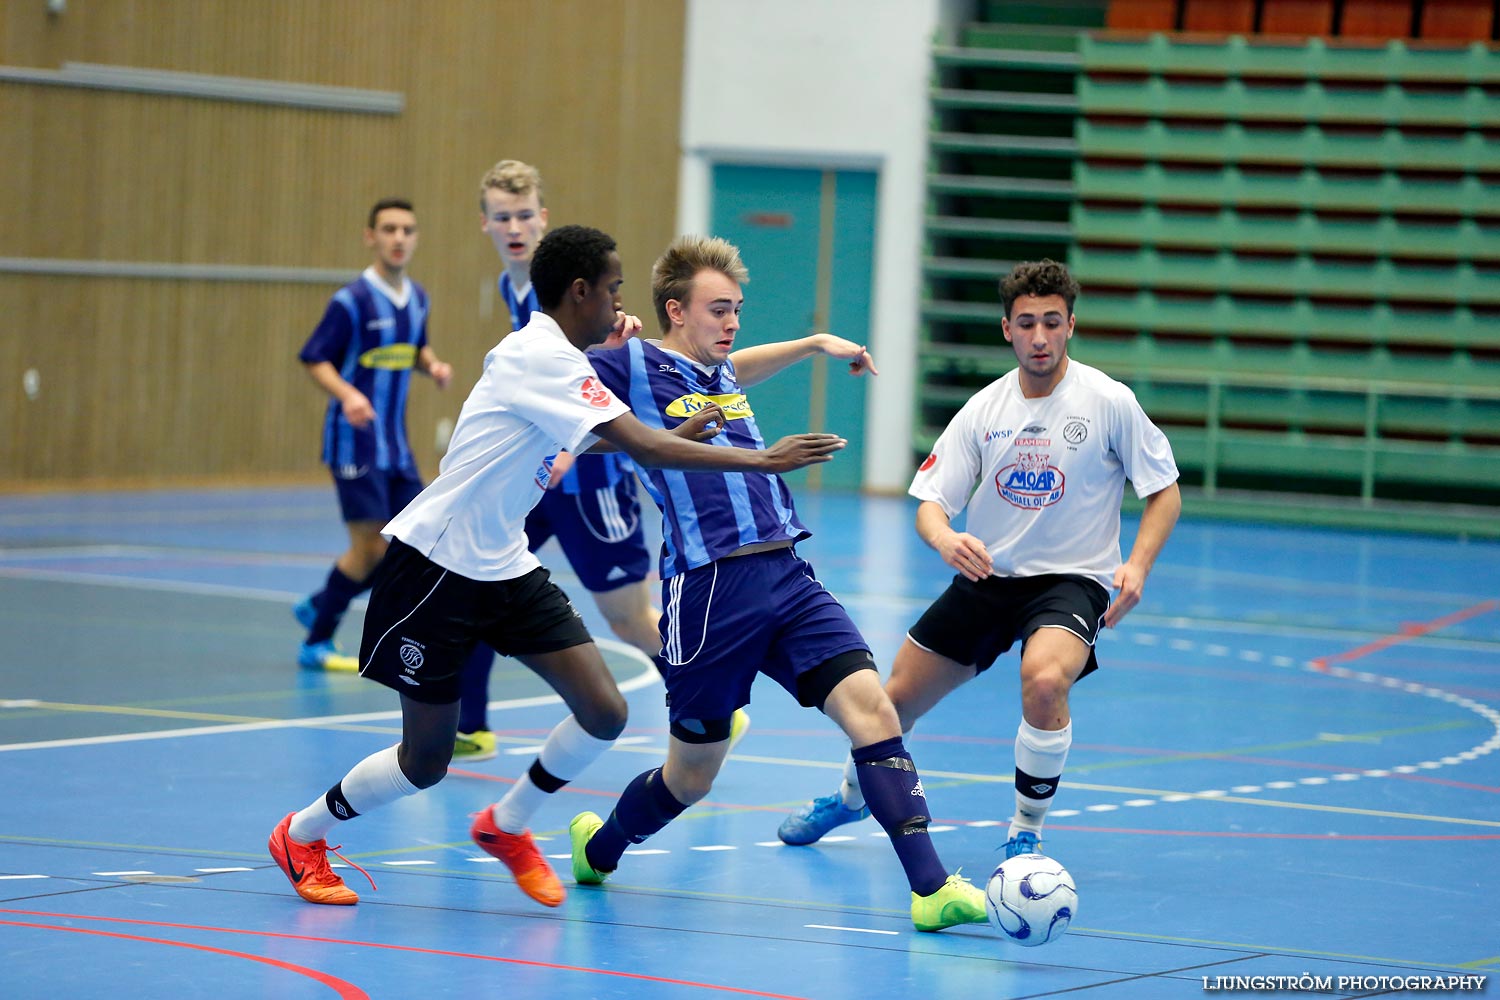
point(591, 505)
point(372, 336)
point(738, 599)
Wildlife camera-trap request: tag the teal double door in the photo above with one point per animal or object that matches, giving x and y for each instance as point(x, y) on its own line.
point(808, 239)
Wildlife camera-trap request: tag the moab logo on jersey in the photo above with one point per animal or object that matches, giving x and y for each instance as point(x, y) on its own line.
point(1030, 483)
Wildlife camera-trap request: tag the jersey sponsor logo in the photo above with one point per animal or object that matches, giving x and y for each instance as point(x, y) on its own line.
point(1030, 483)
point(928, 462)
point(351, 471)
point(543, 475)
point(595, 394)
point(390, 357)
point(380, 323)
point(1033, 442)
point(734, 405)
point(997, 435)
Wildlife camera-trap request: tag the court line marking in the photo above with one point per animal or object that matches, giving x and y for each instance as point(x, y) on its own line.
point(646, 678)
point(345, 989)
point(409, 949)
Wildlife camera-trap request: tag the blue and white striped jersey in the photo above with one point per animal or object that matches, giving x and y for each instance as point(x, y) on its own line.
point(589, 472)
point(371, 333)
point(705, 515)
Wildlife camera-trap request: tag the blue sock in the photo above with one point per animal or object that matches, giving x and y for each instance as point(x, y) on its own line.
point(474, 695)
point(645, 807)
point(331, 602)
point(893, 791)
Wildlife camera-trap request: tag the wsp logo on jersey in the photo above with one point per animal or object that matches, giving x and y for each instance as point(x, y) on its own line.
point(390, 357)
point(1030, 483)
point(734, 405)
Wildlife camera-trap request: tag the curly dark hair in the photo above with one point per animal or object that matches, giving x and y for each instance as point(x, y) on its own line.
point(564, 255)
point(1038, 277)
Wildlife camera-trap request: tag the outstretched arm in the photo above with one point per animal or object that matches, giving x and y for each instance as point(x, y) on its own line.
point(1157, 522)
point(662, 449)
point(756, 364)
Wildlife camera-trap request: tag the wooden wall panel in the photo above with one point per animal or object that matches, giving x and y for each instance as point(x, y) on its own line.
point(155, 380)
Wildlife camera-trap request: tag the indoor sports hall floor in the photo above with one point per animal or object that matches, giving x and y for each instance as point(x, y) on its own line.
point(1287, 765)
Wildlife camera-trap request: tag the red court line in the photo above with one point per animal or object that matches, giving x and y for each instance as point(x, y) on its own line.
point(1274, 836)
point(346, 990)
point(1410, 630)
point(372, 944)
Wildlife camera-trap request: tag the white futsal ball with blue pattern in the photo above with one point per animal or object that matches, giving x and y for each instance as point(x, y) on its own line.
point(1031, 899)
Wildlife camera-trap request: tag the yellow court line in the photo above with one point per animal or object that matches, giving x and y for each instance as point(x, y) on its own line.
point(1480, 963)
point(1271, 949)
point(155, 713)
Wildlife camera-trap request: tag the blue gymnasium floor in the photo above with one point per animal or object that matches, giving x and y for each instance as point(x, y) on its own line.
point(1286, 766)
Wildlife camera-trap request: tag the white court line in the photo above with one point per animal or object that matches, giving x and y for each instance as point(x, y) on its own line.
point(852, 930)
point(647, 677)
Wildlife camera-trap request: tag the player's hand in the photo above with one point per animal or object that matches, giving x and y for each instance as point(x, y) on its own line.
point(857, 355)
point(357, 409)
point(1130, 583)
point(966, 554)
point(441, 373)
point(703, 425)
point(626, 326)
point(561, 463)
point(796, 451)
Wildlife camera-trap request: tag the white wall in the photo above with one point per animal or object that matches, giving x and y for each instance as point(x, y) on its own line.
point(826, 83)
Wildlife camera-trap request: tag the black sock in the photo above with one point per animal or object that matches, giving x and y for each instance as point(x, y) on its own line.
point(893, 791)
point(330, 603)
point(645, 807)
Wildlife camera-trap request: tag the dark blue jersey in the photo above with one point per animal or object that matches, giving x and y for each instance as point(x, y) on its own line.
point(705, 515)
point(589, 472)
point(373, 343)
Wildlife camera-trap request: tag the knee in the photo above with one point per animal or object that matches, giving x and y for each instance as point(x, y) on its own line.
point(1044, 686)
point(424, 768)
point(690, 785)
point(604, 718)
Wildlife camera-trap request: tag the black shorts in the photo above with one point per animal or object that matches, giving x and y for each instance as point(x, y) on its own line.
point(973, 623)
point(423, 621)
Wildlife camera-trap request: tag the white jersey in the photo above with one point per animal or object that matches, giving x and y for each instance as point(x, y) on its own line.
point(1050, 472)
point(537, 396)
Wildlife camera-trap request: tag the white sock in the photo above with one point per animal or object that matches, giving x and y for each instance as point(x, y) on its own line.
point(1040, 756)
point(849, 787)
point(568, 750)
point(370, 784)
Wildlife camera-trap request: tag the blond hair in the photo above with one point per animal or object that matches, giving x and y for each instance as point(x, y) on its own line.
point(512, 176)
point(673, 273)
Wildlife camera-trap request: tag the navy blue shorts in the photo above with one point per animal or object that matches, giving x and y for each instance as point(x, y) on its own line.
point(973, 623)
point(600, 532)
point(763, 613)
point(424, 620)
point(375, 494)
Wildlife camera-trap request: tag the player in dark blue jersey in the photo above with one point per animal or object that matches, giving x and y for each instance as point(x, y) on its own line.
point(739, 600)
point(372, 335)
point(591, 506)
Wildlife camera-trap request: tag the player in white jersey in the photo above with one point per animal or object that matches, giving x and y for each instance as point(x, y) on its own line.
point(1038, 459)
point(458, 571)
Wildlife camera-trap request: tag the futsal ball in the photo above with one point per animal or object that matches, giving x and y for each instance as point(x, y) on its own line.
point(1031, 899)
